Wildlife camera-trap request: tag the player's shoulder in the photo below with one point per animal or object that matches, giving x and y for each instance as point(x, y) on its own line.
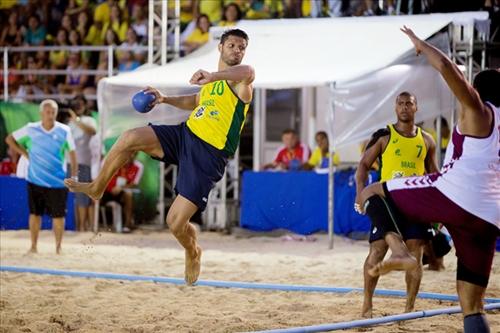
point(426, 135)
point(31, 125)
point(63, 127)
point(34, 124)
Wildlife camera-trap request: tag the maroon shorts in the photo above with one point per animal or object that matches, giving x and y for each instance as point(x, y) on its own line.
point(473, 237)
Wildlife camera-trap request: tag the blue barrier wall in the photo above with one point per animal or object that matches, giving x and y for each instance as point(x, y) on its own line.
point(298, 201)
point(14, 209)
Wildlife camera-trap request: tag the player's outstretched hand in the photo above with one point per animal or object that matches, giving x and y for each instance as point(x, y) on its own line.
point(158, 95)
point(201, 77)
point(414, 39)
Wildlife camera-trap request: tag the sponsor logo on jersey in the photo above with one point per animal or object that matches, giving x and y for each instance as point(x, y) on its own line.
point(199, 112)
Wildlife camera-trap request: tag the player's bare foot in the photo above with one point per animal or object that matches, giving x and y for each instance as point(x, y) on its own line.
point(366, 312)
point(409, 309)
point(86, 188)
point(394, 263)
point(58, 250)
point(193, 266)
point(31, 251)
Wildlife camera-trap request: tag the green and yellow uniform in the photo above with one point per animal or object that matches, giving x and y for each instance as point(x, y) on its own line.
point(219, 117)
point(403, 157)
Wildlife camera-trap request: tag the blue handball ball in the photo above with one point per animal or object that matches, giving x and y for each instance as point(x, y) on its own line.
point(142, 101)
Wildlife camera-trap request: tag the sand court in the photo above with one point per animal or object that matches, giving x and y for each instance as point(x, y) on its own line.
point(44, 303)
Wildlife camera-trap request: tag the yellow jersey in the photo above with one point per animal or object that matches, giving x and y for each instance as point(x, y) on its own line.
point(317, 159)
point(219, 117)
point(403, 157)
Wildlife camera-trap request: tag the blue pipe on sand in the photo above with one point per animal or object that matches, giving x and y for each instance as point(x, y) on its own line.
point(374, 321)
point(230, 284)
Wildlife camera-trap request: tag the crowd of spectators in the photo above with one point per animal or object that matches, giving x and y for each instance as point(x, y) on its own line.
point(125, 24)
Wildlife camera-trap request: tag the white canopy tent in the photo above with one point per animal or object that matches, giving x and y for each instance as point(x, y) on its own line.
point(363, 56)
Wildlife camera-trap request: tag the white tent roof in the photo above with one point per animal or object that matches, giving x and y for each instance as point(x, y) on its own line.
point(292, 53)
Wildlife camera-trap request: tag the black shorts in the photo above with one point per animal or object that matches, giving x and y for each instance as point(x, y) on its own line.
point(422, 231)
point(45, 200)
point(408, 231)
point(108, 196)
point(201, 165)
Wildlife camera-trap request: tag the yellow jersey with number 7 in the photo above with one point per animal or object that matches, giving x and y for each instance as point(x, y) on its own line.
point(403, 157)
point(219, 117)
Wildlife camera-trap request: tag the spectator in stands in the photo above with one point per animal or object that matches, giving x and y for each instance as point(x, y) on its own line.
point(75, 82)
point(117, 23)
point(36, 33)
point(293, 155)
point(102, 11)
point(131, 42)
point(232, 14)
point(75, 7)
point(319, 158)
point(95, 35)
point(199, 36)
point(264, 9)
point(66, 23)
point(11, 32)
point(187, 12)
point(139, 23)
point(126, 62)
point(59, 59)
point(213, 9)
point(120, 189)
point(75, 40)
point(8, 164)
point(83, 24)
point(36, 84)
point(14, 80)
point(45, 143)
point(83, 127)
point(292, 9)
point(111, 38)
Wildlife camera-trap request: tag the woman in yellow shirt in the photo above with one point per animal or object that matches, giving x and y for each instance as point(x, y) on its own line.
point(232, 14)
point(58, 59)
point(117, 23)
point(319, 158)
point(199, 36)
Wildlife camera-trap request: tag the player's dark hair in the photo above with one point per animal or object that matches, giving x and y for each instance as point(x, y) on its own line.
point(487, 84)
point(406, 94)
point(239, 14)
point(322, 133)
point(233, 32)
point(288, 131)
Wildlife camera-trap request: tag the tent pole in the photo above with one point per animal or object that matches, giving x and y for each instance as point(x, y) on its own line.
point(331, 170)
point(151, 11)
point(164, 32)
point(257, 131)
point(161, 199)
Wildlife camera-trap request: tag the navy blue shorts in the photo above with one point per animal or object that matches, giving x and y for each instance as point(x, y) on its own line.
point(201, 165)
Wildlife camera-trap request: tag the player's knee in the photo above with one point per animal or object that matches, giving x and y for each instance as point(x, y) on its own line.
point(175, 224)
point(371, 190)
point(130, 137)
